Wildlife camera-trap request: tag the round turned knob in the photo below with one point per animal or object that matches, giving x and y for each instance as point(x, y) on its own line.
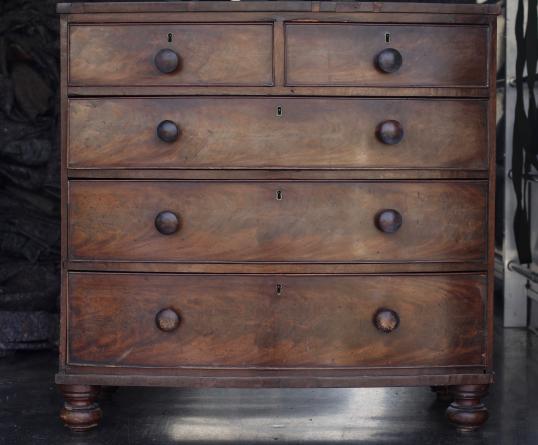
point(166, 60)
point(167, 320)
point(388, 220)
point(390, 132)
point(386, 320)
point(167, 222)
point(167, 131)
point(389, 60)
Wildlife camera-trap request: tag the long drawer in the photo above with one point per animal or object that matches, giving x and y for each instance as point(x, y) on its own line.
point(275, 321)
point(171, 54)
point(316, 221)
point(212, 132)
point(386, 55)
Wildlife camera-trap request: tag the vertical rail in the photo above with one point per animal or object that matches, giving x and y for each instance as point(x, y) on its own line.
point(515, 295)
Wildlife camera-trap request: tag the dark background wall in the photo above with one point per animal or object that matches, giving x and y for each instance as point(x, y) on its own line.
point(29, 175)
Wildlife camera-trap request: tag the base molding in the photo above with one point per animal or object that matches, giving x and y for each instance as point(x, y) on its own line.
point(282, 380)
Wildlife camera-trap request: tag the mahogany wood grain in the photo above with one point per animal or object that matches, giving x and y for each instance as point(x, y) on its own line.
point(277, 268)
point(256, 379)
point(62, 141)
point(80, 411)
point(467, 412)
point(270, 16)
point(210, 54)
point(378, 8)
point(343, 54)
point(492, 113)
point(243, 320)
point(248, 133)
point(326, 372)
point(234, 241)
point(341, 174)
point(332, 91)
point(274, 372)
point(244, 221)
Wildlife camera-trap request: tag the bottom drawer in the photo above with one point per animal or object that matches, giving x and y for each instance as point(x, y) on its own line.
point(275, 320)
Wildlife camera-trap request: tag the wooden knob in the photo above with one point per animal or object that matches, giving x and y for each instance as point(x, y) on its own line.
point(388, 220)
point(167, 222)
point(167, 320)
point(166, 61)
point(167, 131)
point(386, 320)
point(389, 60)
point(390, 132)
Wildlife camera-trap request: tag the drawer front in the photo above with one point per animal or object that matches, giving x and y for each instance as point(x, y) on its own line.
point(416, 55)
point(199, 54)
point(216, 320)
point(269, 221)
point(277, 133)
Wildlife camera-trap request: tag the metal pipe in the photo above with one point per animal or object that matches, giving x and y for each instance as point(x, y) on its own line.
point(527, 273)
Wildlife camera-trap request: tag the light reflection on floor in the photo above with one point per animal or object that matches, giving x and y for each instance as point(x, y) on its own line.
point(298, 415)
point(29, 404)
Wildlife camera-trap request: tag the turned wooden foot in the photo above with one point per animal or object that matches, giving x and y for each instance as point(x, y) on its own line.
point(80, 411)
point(467, 412)
point(443, 393)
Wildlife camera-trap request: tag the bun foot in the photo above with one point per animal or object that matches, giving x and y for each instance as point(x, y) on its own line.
point(80, 411)
point(467, 412)
point(443, 393)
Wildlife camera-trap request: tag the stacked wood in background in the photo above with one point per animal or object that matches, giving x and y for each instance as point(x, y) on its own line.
point(29, 175)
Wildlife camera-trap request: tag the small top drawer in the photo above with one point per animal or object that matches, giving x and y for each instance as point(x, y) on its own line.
point(386, 55)
point(172, 54)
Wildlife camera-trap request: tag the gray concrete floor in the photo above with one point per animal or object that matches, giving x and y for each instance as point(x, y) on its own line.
point(29, 405)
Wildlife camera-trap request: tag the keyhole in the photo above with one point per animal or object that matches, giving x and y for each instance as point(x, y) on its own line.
point(279, 111)
point(387, 37)
point(279, 289)
point(170, 37)
point(278, 195)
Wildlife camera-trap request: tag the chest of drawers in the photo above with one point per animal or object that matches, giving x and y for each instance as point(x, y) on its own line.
point(277, 194)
